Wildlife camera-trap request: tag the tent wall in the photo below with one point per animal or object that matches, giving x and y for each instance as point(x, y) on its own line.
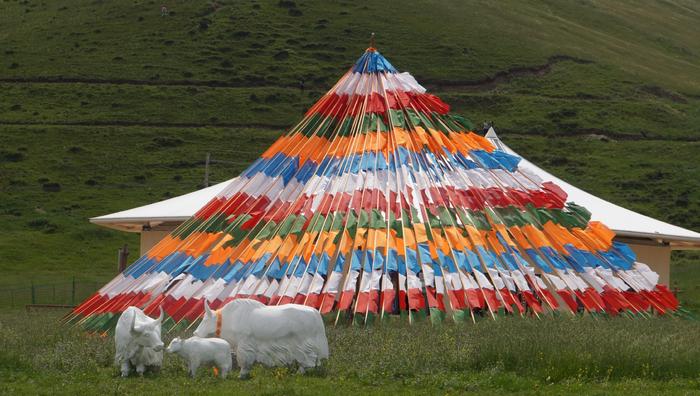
point(150, 238)
point(657, 257)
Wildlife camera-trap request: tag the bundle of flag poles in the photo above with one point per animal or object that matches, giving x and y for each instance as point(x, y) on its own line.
point(380, 202)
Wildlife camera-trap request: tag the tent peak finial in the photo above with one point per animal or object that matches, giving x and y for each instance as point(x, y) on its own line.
point(372, 47)
point(491, 133)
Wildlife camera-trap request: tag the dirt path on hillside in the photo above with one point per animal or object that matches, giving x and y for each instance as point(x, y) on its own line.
point(500, 77)
point(482, 84)
point(147, 124)
point(581, 132)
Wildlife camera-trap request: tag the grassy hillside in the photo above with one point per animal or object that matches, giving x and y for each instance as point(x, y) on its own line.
point(107, 105)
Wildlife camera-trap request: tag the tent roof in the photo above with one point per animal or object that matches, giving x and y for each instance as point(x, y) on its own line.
point(624, 222)
point(173, 210)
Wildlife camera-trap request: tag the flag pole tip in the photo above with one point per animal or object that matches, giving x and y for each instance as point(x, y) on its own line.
point(372, 46)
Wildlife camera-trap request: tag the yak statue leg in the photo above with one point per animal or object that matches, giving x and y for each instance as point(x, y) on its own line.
point(125, 368)
point(224, 371)
point(193, 369)
point(245, 361)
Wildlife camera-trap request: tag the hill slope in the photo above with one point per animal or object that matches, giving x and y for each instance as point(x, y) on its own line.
point(108, 105)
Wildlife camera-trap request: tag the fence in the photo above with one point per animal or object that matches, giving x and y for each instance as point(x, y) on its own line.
point(62, 293)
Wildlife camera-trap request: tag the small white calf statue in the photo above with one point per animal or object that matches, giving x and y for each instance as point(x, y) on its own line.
point(137, 340)
point(203, 351)
point(271, 335)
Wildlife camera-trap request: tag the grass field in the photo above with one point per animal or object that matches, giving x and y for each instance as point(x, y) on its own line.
point(107, 105)
point(510, 355)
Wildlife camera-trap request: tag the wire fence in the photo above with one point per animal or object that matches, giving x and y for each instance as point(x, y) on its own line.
point(61, 293)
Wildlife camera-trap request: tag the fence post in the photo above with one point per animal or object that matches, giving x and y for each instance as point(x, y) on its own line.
point(33, 294)
point(72, 293)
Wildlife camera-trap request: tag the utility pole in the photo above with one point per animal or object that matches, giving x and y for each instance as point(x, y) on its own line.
point(206, 170)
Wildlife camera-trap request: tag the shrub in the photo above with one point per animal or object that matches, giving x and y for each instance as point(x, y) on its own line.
point(281, 55)
point(42, 225)
point(287, 4)
point(11, 156)
point(240, 34)
point(165, 141)
point(51, 187)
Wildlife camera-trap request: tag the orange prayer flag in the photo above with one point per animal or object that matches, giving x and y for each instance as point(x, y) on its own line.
point(589, 240)
point(259, 251)
point(286, 248)
point(604, 233)
point(223, 240)
point(275, 147)
point(421, 234)
point(455, 238)
point(236, 251)
point(371, 239)
point(274, 244)
point(441, 243)
point(495, 244)
point(345, 242)
point(329, 246)
point(519, 237)
point(475, 236)
point(482, 142)
point(433, 250)
point(360, 238)
point(392, 243)
point(401, 137)
point(555, 236)
point(409, 238)
point(535, 236)
point(504, 233)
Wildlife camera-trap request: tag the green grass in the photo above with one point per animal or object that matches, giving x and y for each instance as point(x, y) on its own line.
point(448, 40)
point(507, 355)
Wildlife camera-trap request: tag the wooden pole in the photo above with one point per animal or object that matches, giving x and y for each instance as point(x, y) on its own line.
point(206, 170)
point(123, 256)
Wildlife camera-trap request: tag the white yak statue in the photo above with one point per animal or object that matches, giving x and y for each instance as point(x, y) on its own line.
point(271, 335)
point(137, 340)
point(203, 351)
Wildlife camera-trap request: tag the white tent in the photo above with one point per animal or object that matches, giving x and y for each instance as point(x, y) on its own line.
point(651, 239)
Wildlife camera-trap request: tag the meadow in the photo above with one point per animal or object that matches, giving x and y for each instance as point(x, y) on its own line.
point(560, 355)
point(107, 105)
